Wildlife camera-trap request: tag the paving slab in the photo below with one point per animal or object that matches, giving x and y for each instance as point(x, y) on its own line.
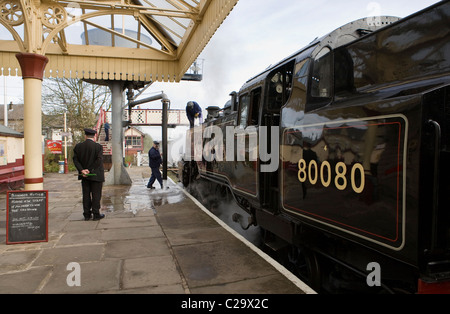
point(261, 285)
point(24, 282)
point(133, 222)
point(81, 237)
point(17, 260)
point(93, 277)
point(69, 254)
point(193, 235)
point(150, 271)
point(137, 248)
point(205, 265)
point(130, 233)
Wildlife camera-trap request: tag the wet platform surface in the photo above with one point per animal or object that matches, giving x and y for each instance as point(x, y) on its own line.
point(151, 241)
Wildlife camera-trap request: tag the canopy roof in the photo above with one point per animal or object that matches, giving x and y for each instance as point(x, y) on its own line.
point(136, 40)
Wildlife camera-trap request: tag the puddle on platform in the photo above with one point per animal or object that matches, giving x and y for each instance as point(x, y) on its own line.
point(114, 198)
point(138, 198)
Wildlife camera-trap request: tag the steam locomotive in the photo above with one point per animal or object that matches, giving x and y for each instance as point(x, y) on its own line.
point(339, 153)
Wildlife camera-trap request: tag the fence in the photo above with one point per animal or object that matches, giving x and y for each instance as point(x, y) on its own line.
point(153, 117)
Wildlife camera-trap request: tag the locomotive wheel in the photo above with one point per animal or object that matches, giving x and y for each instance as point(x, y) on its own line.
point(307, 267)
point(186, 174)
point(225, 194)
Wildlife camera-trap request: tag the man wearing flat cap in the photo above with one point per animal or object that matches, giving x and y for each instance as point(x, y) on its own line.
point(155, 162)
point(88, 159)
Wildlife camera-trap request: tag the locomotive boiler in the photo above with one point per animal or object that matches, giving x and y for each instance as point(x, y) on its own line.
point(339, 153)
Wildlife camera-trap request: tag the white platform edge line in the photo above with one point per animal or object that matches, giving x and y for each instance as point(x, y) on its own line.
point(304, 287)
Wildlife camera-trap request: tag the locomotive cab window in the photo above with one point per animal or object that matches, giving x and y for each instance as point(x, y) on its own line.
point(254, 108)
point(321, 79)
point(244, 107)
point(249, 108)
point(301, 76)
point(344, 82)
point(280, 86)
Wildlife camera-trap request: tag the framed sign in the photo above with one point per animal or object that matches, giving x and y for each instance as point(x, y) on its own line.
point(26, 217)
point(55, 147)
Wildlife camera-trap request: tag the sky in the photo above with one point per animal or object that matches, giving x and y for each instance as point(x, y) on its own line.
point(256, 34)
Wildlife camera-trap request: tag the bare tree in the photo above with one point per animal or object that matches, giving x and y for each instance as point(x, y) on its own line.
point(81, 101)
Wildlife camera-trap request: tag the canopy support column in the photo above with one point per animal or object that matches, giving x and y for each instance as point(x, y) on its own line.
point(32, 66)
point(118, 175)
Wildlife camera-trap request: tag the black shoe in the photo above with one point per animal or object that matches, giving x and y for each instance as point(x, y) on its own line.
point(150, 187)
point(87, 218)
point(101, 216)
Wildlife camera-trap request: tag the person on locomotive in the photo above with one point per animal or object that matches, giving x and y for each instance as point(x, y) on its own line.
point(193, 111)
point(155, 162)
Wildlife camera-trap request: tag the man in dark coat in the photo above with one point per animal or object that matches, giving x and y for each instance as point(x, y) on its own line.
point(155, 162)
point(193, 111)
point(107, 128)
point(88, 159)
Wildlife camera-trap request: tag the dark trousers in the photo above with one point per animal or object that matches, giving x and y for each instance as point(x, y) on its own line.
point(92, 195)
point(156, 175)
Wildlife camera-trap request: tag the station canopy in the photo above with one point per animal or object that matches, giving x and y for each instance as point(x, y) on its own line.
point(128, 40)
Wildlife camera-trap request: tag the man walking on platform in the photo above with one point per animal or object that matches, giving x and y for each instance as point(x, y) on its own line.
point(88, 159)
point(155, 162)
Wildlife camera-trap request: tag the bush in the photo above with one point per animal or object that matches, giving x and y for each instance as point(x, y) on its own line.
point(51, 161)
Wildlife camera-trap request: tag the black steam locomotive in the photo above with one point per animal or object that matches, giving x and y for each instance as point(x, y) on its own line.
point(340, 154)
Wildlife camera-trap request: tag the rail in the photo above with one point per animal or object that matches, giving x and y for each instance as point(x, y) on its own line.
point(101, 120)
point(12, 175)
point(153, 117)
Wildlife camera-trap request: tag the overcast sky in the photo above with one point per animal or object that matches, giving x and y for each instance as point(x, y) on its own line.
point(256, 34)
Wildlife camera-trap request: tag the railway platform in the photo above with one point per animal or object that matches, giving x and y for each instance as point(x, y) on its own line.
point(150, 242)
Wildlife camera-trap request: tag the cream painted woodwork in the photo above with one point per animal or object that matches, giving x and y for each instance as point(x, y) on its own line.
point(182, 29)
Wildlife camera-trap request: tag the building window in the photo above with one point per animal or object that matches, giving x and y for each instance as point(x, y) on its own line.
point(133, 140)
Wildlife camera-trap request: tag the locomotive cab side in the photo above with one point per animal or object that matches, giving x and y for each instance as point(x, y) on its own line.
point(365, 161)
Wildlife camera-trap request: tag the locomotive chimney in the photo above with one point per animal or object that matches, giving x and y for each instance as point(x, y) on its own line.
point(233, 101)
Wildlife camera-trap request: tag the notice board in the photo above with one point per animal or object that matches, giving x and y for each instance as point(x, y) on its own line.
point(26, 216)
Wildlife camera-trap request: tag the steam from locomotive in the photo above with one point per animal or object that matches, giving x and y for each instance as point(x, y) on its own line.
point(209, 145)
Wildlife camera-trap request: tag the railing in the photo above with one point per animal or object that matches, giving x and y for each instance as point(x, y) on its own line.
point(12, 175)
point(195, 72)
point(142, 159)
point(100, 122)
point(153, 117)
